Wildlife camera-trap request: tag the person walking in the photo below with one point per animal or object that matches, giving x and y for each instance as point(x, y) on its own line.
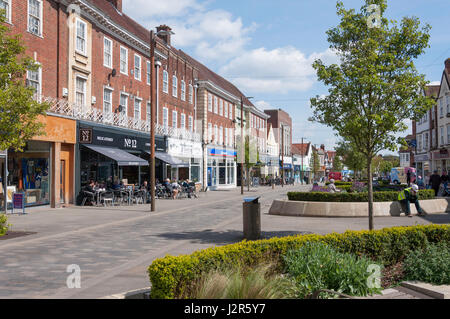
point(444, 180)
point(410, 195)
point(435, 182)
point(427, 180)
point(408, 178)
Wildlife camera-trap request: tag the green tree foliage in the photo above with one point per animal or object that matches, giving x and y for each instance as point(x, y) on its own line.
point(315, 162)
point(352, 158)
point(18, 108)
point(376, 86)
point(337, 164)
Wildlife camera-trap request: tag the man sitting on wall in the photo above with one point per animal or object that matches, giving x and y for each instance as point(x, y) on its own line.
point(410, 195)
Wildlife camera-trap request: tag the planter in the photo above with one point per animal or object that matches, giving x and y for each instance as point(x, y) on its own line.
point(353, 209)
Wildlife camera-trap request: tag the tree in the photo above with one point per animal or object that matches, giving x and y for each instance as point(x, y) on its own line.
point(314, 162)
point(19, 110)
point(352, 158)
point(337, 164)
point(251, 157)
point(376, 86)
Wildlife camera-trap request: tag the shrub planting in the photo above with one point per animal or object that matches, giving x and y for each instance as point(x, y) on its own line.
point(353, 197)
point(431, 264)
point(316, 266)
point(3, 224)
point(172, 277)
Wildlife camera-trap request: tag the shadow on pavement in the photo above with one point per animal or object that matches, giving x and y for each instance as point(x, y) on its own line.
point(224, 237)
point(437, 219)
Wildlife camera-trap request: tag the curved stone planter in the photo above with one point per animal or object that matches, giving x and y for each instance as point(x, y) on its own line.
point(352, 209)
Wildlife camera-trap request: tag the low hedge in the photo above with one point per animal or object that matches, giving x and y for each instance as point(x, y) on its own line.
point(340, 183)
point(3, 224)
point(171, 277)
point(353, 197)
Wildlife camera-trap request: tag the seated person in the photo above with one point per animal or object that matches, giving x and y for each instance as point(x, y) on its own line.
point(332, 188)
point(90, 187)
point(175, 189)
point(410, 195)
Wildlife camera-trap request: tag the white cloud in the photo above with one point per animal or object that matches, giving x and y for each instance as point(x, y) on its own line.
point(214, 35)
point(279, 70)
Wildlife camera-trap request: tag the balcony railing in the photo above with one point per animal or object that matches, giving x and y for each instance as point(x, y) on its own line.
point(92, 114)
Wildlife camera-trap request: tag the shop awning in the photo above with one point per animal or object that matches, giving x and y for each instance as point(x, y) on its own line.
point(122, 157)
point(172, 161)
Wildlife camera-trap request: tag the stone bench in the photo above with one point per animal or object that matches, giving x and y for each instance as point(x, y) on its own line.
point(353, 209)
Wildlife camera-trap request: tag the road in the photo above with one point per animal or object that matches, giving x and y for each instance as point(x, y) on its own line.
point(114, 246)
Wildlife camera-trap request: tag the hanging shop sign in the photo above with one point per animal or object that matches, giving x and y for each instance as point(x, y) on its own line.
point(183, 148)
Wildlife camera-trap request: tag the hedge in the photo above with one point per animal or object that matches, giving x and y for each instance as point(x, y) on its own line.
point(353, 197)
point(3, 224)
point(340, 183)
point(171, 277)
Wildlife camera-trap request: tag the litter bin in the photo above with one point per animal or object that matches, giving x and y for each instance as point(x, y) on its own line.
point(252, 218)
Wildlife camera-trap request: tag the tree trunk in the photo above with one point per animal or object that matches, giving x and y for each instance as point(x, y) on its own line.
point(370, 190)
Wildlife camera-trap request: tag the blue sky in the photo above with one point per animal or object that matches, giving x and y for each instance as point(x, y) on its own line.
point(266, 47)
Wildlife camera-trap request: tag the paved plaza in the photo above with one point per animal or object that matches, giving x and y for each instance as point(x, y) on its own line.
point(113, 246)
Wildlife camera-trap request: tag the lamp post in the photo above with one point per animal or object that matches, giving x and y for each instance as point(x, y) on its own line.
point(153, 106)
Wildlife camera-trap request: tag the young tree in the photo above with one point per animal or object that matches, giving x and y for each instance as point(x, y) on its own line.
point(337, 164)
point(19, 110)
point(314, 163)
point(352, 158)
point(376, 86)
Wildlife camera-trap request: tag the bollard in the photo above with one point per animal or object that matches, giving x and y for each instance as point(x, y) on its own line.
point(252, 218)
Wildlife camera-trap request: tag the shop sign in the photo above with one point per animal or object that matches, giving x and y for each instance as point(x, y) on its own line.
point(18, 202)
point(183, 148)
point(122, 141)
point(221, 152)
point(422, 158)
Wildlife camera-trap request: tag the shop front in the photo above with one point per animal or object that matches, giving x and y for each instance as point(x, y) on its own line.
point(288, 167)
point(423, 164)
point(221, 168)
point(441, 160)
point(44, 170)
point(107, 155)
point(187, 156)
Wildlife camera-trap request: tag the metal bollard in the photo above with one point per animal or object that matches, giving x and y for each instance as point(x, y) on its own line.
point(252, 218)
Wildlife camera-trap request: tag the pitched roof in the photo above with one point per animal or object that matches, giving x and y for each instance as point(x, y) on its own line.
point(432, 90)
point(300, 149)
point(122, 19)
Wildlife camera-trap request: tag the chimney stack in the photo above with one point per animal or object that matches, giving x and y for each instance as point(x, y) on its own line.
point(447, 65)
point(166, 36)
point(117, 4)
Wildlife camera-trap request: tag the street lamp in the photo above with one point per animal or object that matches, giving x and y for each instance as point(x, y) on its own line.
point(243, 143)
point(153, 102)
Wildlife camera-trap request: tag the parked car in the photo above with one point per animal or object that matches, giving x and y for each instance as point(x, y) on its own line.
point(398, 175)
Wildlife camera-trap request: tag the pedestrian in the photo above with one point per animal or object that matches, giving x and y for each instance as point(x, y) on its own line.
point(408, 178)
point(427, 180)
point(435, 182)
point(444, 180)
point(410, 195)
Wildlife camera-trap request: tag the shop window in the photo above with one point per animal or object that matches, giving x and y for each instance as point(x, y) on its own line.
point(35, 17)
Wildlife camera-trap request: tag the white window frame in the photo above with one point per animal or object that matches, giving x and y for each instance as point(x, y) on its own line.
point(216, 133)
point(183, 121)
point(183, 90)
point(210, 103)
point(190, 123)
point(174, 86)
point(174, 119)
point(148, 73)
point(165, 117)
point(127, 96)
point(210, 132)
point(231, 111)
point(226, 138)
point(83, 104)
point(165, 82)
point(8, 10)
point(139, 100)
point(81, 22)
point(220, 135)
point(123, 49)
point(216, 105)
point(441, 141)
point(105, 89)
point(148, 111)
point(191, 94)
point(106, 63)
point(136, 68)
point(38, 92)
point(40, 18)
